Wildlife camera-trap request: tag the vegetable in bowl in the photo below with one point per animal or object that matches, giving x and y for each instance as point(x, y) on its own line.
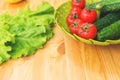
point(61, 21)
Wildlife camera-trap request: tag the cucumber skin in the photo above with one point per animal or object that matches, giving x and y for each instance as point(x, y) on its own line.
point(110, 8)
point(107, 20)
point(111, 32)
point(107, 7)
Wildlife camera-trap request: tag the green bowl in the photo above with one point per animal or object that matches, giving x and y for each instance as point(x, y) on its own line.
point(60, 16)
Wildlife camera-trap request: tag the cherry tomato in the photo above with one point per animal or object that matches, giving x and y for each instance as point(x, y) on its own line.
point(87, 31)
point(74, 26)
point(88, 15)
point(78, 3)
point(75, 12)
point(69, 19)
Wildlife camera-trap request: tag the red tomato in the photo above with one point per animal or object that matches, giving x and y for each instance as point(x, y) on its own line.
point(88, 15)
point(78, 3)
point(87, 31)
point(74, 26)
point(75, 12)
point(69, 20)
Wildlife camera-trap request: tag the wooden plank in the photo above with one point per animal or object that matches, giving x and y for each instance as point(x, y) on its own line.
point(97, 62)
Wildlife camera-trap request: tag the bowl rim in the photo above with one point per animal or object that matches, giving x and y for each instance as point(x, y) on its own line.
point(89, 41)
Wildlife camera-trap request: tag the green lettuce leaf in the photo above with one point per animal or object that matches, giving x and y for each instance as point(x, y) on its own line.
point(44, 8)
point(31, 31)
point(5, 38)
point(26, 31)
point(4, 19)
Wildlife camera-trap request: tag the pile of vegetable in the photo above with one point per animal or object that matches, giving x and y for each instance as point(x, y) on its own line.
point(25, 32)
point(99, 21)
point(80, 20)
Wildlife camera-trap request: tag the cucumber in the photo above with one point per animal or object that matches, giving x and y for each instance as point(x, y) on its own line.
point(111, 32)
point(110, 8)
point(107, 6)
point(107, 20)
point(102, 3)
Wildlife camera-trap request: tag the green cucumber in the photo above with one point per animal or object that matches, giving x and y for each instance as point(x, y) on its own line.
point(107, 6)
point(111, 32)
point(110, 8)
point(107, 20)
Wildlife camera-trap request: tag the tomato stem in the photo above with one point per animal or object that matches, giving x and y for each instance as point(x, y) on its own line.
point(74, 16)
point(89, 9)
point(86, 27)
point(75, 24)
point(77, 1)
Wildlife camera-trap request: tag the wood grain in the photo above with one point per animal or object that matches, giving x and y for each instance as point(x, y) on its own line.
point(62, 58)
point(97, 63)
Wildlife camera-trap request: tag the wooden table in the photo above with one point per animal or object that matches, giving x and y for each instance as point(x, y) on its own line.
point(62, 58)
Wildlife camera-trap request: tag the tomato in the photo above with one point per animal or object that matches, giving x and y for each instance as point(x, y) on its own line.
point(74, 26)
point(78, 3)
point(69, 19)
point(74, 14)
point(87, 31)
point(88, 15)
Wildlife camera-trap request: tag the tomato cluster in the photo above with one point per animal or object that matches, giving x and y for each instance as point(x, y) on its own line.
point(80, 20)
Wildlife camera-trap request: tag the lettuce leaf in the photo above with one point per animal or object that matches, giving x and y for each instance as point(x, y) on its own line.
point(5, 38)
point(31, 30)
point(45, 8)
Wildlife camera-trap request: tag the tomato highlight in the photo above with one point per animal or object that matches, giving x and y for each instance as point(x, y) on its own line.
point(88, 15)
point(87, 31)
point(80, 20)
point(78, 3)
